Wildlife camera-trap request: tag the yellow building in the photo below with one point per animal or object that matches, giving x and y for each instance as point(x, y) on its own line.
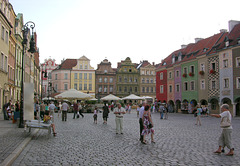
point(83, 76)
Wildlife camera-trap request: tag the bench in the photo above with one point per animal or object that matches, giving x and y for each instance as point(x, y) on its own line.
point(38, 124)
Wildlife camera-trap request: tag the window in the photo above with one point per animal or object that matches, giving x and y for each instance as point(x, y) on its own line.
point(130, 89)
point(120, 89)
point(110, 88)
point(238, 62)
point(147, 72)
point(136, 89)
point(125, 69)
point(143, 72)
point(213, 85)
point(130, 70)
point(125, 89)
point(214, 105)
point(177, 88)
point(170, 89)
point(177, 73)
point(185, 70)
point(147, 89)
point(50, 75)
point(143, 80)
point(120, 79)
point(213, 66)
point(151, 72)
point(75, 75)
point(2, 60)
point(85, 76)
point(80, 86)
point(5, 64)
point(225, 63)
point(75, 86)
point(130, 79)
point(192, 69)
point(185, 86)
point(86, 67)
point(111, 80)
point(151, 89)
point(105, 71)
point(170, 75)
point(100, 79)
point(100, 88)
point(56, 76)
point(89, 86)
point(143, 89)
point(202, 84)
point(192, 85)
point(56, 87)
point(65, 86)
point(81, 66)
point(135, 80)
point(90, 76)
point(3, 31)
point(6, 38)
point(105, 80)
point(125, 79)
point(202, 67)
point(161, 88)
point(238, 83)
point(85, 86)
point(65, 76)
point(226, 83)
point(161, 76)
point(151, 80)
point(147, 80)
point(80, 76)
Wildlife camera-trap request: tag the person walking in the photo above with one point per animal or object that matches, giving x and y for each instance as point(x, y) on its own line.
point(105, 113)
point(75, 110)
point(95, 115)
point(225, 138)
point(147, 124)
point(52, 108)
point(80, 109)
point(162, 109)
point(65, 108)
point(5, 107)
point(42, 110)
point(199, 111)
point(59, 108)
point(141, 111)
point(119, 112)
point(166, 112)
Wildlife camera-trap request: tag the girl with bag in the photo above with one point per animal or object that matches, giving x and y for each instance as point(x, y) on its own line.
point(225, 138)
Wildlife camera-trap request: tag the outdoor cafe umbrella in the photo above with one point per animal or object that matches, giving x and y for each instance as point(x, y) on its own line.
point(47, 98)
point(132, 97)
point(73, 94)
point(110, 97)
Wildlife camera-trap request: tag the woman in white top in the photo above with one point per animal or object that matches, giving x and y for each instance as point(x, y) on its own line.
point(225, 138)
point(95, 115)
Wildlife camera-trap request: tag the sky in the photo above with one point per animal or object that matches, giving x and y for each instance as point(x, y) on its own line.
point(115, 29)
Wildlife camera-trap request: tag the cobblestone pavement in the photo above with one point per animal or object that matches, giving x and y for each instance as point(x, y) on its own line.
point(178, 142)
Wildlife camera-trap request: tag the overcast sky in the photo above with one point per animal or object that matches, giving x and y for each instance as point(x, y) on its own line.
point(115, 29)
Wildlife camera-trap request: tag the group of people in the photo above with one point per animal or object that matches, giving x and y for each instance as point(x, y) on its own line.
point(10, 107)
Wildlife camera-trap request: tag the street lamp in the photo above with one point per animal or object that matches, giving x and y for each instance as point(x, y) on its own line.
point(31, 50)
point(45, 76)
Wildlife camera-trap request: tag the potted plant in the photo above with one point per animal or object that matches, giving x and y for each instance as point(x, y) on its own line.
point(184, 75)
point(191, 74)
point(212, 71)
point(201, 72)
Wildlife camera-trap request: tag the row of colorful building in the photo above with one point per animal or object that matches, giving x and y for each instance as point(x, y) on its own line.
point(206, 72)
point(11, 55)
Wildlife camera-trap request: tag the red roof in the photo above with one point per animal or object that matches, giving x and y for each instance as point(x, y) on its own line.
point(68, 64)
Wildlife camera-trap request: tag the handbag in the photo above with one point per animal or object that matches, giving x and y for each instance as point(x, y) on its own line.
point(225, 122)
point(150, 125)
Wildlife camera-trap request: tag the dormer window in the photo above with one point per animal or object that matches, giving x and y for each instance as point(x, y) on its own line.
point(105, 71)
point(130, 70)
point(227, 43)
point(173, 59)
point(164, 63)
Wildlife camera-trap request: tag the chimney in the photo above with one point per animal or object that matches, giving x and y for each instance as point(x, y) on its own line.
point(183, 46)
point(231, 24)
point(153, 63)
point(198, 39)
point(223, 30)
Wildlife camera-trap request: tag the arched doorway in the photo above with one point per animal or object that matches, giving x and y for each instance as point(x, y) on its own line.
point(192, 106)
point(214, 106)
point(170, 106)
point(184, 107)
point(178, 105)
point(204, 102)
point(238, 106)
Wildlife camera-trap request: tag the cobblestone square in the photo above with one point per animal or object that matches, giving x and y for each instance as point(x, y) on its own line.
point(178, 142)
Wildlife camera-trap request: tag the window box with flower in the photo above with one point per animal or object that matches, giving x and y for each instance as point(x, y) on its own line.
point(212, 71)
point(184, 75)
point(191, 74)
point(201, 72)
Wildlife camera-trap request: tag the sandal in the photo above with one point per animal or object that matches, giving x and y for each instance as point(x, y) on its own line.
point(218, 152)
point(54, 134)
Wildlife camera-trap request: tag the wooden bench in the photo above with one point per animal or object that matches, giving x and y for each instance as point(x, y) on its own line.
point(38, 124)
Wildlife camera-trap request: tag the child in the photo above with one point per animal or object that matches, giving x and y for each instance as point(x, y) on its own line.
point(47, 119)
point(95, 115)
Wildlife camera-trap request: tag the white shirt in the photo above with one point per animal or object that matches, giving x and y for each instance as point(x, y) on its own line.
point(227, 114)
point(122, 110)
point(141, 111)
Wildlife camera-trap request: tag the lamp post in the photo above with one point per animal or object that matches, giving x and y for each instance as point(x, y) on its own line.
point(45, 76)
point(31, 50)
